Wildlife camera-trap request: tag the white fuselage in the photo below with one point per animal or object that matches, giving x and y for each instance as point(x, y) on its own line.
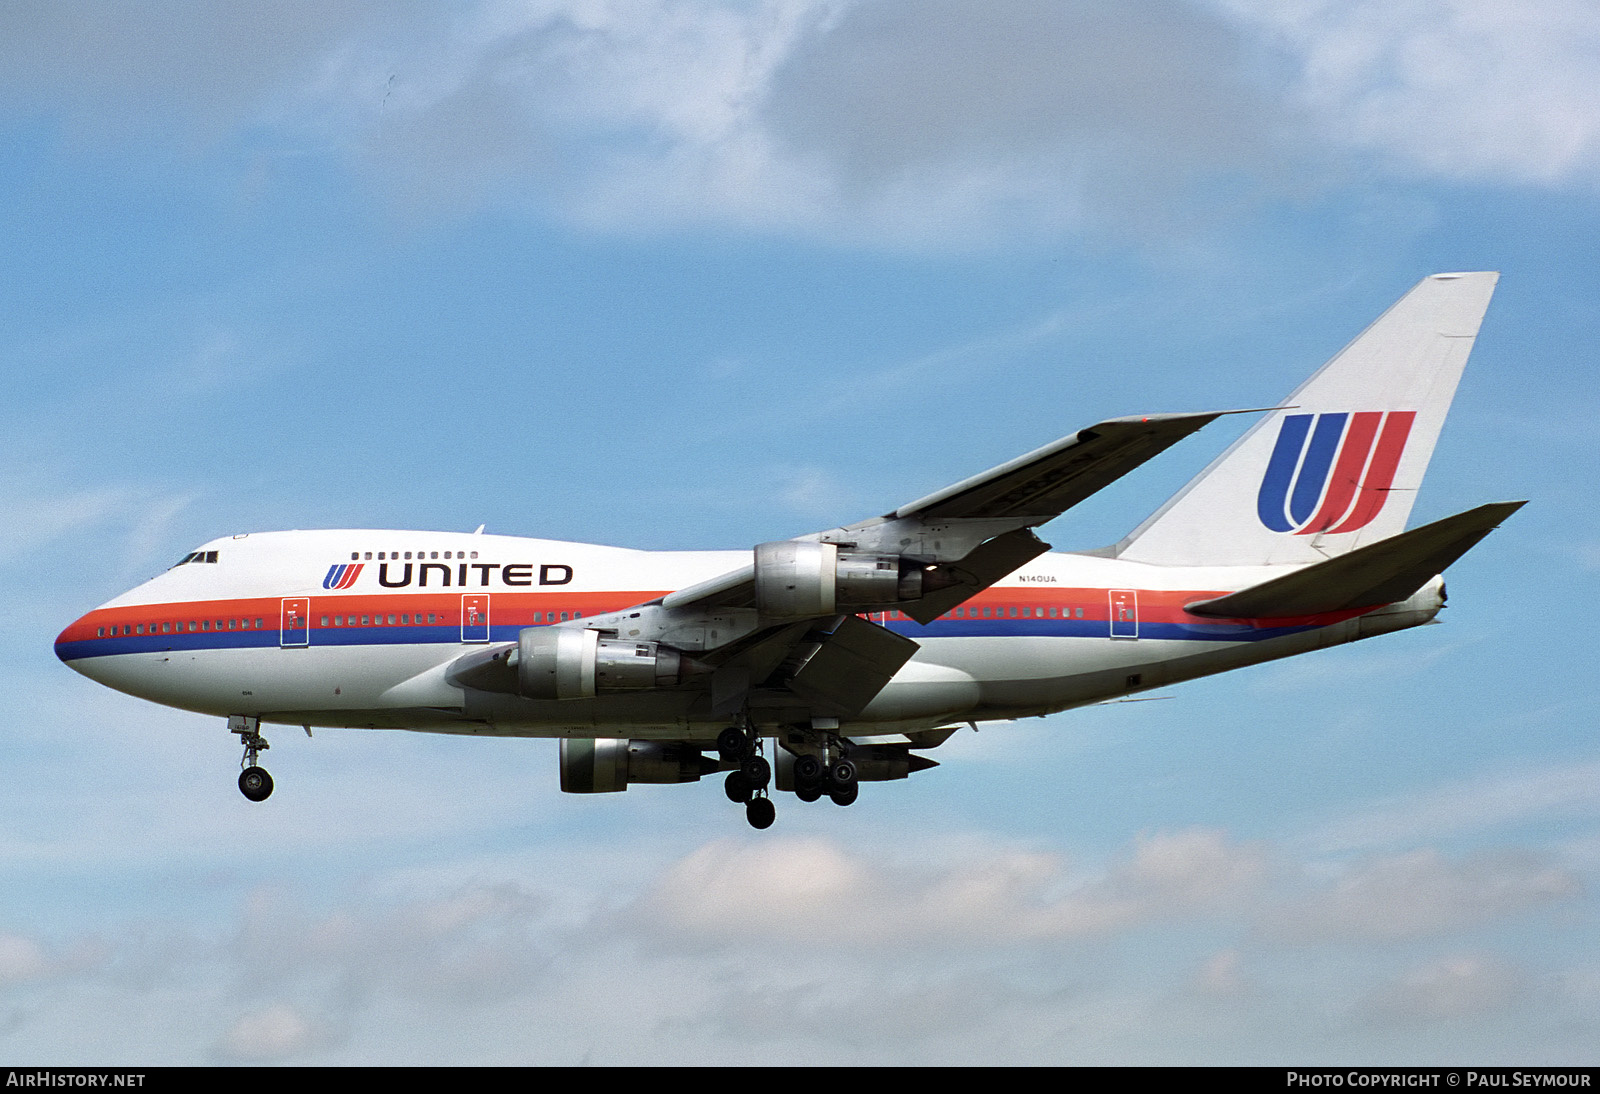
point(359, 628)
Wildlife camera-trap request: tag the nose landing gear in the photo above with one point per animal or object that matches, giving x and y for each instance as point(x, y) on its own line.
point(254, 782)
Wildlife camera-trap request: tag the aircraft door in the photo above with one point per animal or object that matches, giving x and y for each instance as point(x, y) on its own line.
point(475, 617)
point(294, 622)
point(1124, 613)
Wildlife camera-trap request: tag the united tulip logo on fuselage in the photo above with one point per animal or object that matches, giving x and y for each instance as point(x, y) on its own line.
point(342, 575)
point(1355, 464)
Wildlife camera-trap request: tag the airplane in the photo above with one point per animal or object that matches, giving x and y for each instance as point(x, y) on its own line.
point(845, 655)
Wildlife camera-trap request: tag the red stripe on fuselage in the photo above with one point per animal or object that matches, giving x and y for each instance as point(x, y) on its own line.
point(519, 609)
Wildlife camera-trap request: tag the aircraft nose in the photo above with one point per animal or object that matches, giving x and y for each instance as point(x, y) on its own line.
point(72, 643)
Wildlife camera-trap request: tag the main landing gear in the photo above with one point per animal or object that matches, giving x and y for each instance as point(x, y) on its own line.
point(823, 768)
point(747, 785)
point(836, 778)
point(254, 782)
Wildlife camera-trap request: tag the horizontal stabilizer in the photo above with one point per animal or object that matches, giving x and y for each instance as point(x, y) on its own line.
point(1379, 573)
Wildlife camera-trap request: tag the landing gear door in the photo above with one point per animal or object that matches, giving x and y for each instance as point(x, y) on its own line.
point(1124, 613)
point(294, 623)
point(475, 617)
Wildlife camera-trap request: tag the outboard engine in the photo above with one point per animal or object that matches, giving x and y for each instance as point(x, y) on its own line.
point(607, 765)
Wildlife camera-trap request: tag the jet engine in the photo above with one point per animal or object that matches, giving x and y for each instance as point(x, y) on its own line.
point(798, 579)
point(565, 663)
point(607, 765)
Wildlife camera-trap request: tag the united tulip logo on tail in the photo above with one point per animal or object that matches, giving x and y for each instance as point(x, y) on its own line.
point(1353, 455)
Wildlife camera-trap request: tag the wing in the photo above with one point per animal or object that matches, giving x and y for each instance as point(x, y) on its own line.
point(1048, 481)
point(787, 635)
point(950, 525)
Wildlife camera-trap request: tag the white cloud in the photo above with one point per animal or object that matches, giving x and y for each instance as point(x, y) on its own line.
point(788, 889)
point(276, 1033)
point(1471, 805)
point(1460, 89)
point(20, 959)
point(1420, 893)
point(1450, 988)
point(1223, 975)
point(934, 124)
point(949, 950)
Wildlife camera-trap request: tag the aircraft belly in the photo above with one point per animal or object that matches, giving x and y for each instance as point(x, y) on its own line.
point(235, 681)
point(1032, 675)
point(924, 689)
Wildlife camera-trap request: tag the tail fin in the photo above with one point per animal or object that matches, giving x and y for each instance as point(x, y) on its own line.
point(1340, 464)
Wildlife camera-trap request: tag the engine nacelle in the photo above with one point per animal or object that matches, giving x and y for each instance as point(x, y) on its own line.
point(607, 765)
point(566, 663)
point(797, 579)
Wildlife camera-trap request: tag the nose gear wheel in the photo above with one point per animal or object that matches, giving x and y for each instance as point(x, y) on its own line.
point(254, 782)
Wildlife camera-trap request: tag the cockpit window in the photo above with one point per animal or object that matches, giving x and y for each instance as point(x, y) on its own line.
point(196, 556)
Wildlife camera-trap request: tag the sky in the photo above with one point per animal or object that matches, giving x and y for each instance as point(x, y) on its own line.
point(706, 273)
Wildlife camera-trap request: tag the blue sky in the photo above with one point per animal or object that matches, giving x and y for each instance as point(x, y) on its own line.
point(687, 273)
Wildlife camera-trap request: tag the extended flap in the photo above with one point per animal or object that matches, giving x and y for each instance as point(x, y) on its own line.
point(842, 673)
